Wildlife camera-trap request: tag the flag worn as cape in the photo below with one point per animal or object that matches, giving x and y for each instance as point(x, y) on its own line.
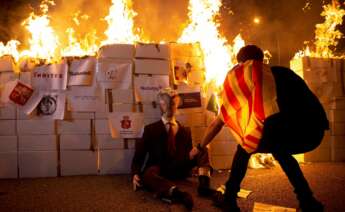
point(249, 97)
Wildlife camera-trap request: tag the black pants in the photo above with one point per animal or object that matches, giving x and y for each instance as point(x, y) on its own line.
point(159, 179)
point(281, 138)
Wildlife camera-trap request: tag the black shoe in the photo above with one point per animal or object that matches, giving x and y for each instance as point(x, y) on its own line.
point(204, 189)
point(183, 197)
point(226, 204)
point(311, 205)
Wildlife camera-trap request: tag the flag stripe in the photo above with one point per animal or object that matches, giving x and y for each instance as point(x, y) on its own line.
point(258, 99)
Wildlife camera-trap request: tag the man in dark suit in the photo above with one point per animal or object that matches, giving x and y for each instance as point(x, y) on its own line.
point(168, 144)
point(297, 127)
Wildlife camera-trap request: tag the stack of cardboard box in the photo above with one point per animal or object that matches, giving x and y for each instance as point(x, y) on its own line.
point(326, 78)
point(115, 75)
point(8, 132)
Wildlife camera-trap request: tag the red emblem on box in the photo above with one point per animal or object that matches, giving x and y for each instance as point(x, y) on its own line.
point(21, 93)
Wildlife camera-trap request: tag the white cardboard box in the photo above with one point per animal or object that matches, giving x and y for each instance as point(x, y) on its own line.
point(223, 148)
point(37, 142)
point(119, 51)
point(37, 164)
point(75, 142)
point(151, 112)
point(7, 76)
point(8, 112)
point(8, 165)
point(114, 73)
point(154, 51)
point(115, 161)
point(121, 96)
point(147, 87)
point(119, 107)
point(8, 143)
point(78, 163)
point(36, 127)
point(105, 142)
point(146, 66)
point(102, 126)
point(79, 115)
point(86, 99)
point(7, 127)
point(6, 63)
point(74, 127)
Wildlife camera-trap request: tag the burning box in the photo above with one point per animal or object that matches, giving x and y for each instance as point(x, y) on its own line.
point(114, 73)
point(147, 87)
point(82, 71)
point(8, 112)
point(7, 127)
point(155, 67)
point(36, 127)
point(37, 142)
point(189, 69)
point(115, 161)
point(179, 50)
point(321, 72)
point(38, 164)
point(7, 63)
point(74, 127)
point(118, 51)
point(78, 163)
point(75, 142)
point(152, 51)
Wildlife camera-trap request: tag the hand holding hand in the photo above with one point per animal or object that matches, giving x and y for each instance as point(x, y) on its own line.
point(193, 153)
point(136, 182)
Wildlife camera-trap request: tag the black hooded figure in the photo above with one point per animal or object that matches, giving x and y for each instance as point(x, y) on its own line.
point(298, 127)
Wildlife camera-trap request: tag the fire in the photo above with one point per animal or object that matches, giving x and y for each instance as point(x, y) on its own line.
point(326, 34)
point(120, 23)
point(44, 42)
point(203, 28)
point(11, 48)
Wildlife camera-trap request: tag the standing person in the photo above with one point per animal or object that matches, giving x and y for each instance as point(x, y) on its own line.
point(168, 144)
point(268, 110)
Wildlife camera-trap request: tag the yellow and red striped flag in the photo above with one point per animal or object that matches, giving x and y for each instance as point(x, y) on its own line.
point(249, 97)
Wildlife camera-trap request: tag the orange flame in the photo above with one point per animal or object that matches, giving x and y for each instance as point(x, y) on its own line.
point(203, 28)
point(326, 34)
point(120, 23)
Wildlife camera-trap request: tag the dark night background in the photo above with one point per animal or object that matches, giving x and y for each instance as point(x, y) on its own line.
point(283, 28)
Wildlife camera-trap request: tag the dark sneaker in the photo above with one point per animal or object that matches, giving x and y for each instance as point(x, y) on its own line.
point(227, 205)
point(183, 197)
point(311, 205)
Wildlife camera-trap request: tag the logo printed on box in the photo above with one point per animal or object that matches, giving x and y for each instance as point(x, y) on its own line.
point(21, 93)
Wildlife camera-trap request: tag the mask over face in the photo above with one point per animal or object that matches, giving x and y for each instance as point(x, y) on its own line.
point(168, 103)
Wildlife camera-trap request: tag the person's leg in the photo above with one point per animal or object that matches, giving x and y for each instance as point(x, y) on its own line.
point(238, 170)
point(301, 188)
point(153, 180)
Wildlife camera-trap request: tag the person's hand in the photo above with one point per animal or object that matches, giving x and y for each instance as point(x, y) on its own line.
point(136, 182)
point(193, 153)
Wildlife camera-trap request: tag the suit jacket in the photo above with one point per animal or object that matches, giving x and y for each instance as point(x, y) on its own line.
point(154, 143)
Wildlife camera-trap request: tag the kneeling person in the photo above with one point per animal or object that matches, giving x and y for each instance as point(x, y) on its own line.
point(168, 144)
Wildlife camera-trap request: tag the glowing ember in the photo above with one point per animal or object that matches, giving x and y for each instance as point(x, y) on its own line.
point(203, 28)
point(326, 34)
point(120, 23)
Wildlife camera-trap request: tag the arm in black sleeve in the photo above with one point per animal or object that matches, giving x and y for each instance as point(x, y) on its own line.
point(140, 153)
